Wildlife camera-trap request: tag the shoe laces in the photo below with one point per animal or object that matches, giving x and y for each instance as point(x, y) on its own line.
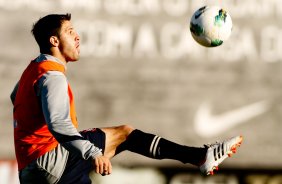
point(208, 145)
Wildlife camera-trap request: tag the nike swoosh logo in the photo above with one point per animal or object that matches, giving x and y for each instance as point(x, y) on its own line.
point(208, 125)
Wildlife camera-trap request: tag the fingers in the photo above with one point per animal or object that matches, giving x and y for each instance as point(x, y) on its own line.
point(107, 169)
point(103, 165)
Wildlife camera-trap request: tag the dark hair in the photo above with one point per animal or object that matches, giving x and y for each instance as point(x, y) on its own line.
point(46, 27)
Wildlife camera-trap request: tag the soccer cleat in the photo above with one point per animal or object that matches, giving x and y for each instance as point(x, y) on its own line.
point(218, 152)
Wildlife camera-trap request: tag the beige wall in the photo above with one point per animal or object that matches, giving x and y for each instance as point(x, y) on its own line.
point(140, 66)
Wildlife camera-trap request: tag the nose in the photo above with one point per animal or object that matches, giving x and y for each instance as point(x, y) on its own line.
point(77, 37)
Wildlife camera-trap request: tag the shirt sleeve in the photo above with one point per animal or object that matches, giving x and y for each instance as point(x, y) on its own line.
point(52, 88)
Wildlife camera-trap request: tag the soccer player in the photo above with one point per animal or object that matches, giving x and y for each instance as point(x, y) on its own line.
point(50, 149)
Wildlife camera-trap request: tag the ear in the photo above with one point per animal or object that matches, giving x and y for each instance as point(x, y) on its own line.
point(54, 41)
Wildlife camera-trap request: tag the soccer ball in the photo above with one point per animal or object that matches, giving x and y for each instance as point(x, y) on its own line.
point(210, 26)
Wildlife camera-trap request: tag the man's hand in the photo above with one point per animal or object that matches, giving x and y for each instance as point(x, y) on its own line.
point(103, 165)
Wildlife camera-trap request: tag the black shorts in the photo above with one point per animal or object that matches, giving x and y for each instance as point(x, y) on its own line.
point(77, 169)
point(95, 136)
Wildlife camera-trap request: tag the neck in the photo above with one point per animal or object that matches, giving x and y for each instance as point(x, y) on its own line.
point(57, 54)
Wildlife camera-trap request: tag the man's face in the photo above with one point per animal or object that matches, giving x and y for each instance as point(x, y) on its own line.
point(69, 42)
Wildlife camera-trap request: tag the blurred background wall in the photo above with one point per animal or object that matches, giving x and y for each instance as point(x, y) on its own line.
point(139, 65)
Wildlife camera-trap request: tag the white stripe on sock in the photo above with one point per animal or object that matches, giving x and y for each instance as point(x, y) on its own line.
point(152, 145)
point(155, 147)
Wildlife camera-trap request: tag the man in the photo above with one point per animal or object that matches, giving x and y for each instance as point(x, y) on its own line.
point(48, 146)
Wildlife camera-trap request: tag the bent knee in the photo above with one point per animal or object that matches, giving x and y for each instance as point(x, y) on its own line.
point(127, 129)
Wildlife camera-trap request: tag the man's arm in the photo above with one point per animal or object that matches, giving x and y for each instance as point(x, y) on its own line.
point(53, 92)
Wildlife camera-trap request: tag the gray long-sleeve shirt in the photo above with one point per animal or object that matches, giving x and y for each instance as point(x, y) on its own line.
point(52, 90)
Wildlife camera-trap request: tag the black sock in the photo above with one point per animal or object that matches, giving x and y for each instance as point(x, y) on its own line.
point(156, 147)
